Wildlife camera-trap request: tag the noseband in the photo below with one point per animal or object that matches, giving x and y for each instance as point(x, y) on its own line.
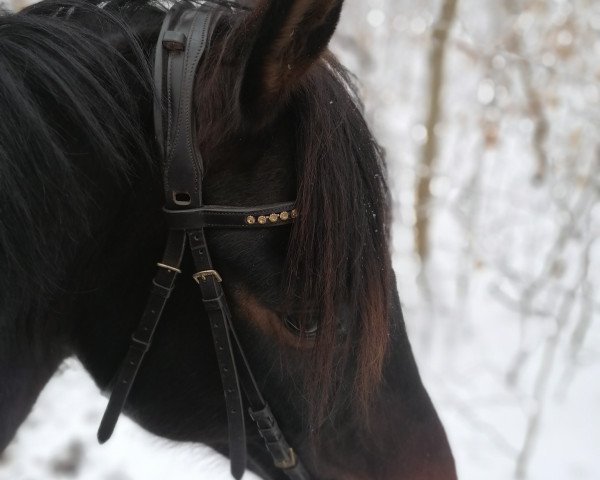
point(183, 40)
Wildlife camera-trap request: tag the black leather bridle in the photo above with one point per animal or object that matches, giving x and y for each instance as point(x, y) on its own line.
point(181, 44)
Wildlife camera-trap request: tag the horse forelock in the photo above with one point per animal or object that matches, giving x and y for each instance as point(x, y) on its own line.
point(338, 262)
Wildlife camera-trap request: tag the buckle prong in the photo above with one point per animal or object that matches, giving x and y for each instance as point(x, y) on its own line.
point(290, 462)
point(206, 274)
point(168, 267)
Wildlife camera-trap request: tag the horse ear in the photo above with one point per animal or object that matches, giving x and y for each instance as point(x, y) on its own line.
point(290, 36)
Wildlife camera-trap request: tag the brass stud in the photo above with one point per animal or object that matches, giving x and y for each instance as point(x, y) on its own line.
point(294, 213)
point(250, 220)
point(284, 216)
point(274, 218)
point(262, 219)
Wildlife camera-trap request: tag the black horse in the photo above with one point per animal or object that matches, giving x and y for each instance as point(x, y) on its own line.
point(81, 230)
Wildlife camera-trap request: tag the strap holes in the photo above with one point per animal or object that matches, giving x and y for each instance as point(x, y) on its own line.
point(182, 198)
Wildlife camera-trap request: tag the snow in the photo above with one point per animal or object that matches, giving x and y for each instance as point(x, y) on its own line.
point(62, 429)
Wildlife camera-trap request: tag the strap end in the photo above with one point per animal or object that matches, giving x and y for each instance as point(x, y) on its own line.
point(106, 429)
point(237, 473)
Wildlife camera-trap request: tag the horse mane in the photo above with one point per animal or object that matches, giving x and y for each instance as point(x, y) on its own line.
point(338, 259)
point(338, 255)
point(73, 116)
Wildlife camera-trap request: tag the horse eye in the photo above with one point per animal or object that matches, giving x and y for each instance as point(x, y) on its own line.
point(294, 326)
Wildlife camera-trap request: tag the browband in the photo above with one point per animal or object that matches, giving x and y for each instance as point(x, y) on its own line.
point(182, 42)
point(232, 217)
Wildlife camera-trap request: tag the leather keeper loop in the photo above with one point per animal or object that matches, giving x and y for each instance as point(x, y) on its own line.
point(214, 304)
point(174, 41)
point(139, 344)
point(263, 418)
point(161, 290)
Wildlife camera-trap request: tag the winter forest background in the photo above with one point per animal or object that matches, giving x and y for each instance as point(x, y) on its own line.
point(490, 112)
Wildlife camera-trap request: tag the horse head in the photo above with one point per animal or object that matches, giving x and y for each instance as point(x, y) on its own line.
point(314, 303)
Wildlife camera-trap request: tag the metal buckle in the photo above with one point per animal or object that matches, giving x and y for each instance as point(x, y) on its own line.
point(205, 274)
point(168, 267)
point(288, 463)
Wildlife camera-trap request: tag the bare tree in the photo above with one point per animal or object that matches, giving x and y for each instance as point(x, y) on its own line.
point(427, 166)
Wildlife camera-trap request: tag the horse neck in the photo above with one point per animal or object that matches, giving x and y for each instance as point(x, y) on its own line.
point(70, 153)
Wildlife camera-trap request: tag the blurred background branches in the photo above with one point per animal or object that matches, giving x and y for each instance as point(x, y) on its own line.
point(488, 111)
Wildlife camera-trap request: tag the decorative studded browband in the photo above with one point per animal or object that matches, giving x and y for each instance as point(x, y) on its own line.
point(182, 43)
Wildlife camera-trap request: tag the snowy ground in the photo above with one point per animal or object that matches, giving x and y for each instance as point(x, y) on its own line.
point(505, 327)
point(58, 442)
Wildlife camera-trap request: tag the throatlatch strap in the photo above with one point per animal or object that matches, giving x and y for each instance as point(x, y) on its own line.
point(162, 286)
point(284, 456)
point(217, 310)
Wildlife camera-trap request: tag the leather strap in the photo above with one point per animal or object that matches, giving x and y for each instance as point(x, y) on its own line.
point(284, 457)
point(159, 68)
point(218, 313)
point(185, 38)
point(234, 368)
point(232, 217)
point(162, 286)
